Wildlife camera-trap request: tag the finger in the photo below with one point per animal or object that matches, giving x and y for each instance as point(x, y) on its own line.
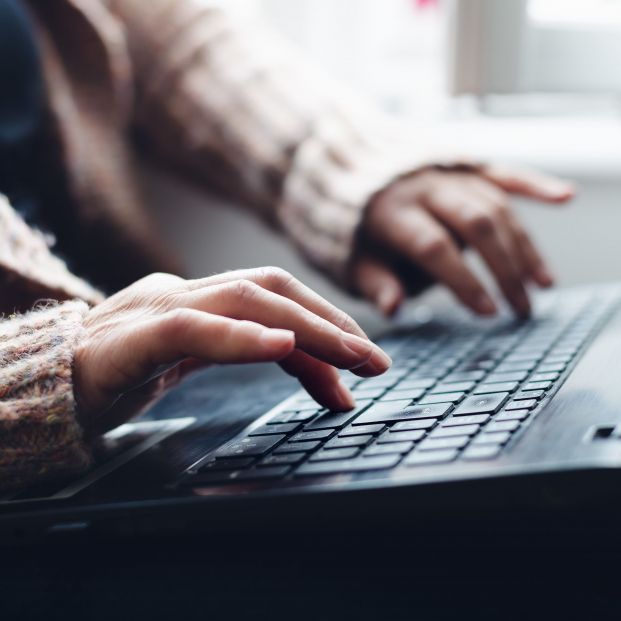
point(378, 284)
point(484, 226)
point(186, 333)
point(321, 380)
point(279, 281)
point(530, 183)
point(423, 240)
point(532, 261)
point(243, 299)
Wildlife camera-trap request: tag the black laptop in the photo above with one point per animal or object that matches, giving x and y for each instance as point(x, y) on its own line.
point(478, 413)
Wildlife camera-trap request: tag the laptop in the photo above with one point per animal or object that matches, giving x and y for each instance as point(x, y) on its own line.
point(480, 413)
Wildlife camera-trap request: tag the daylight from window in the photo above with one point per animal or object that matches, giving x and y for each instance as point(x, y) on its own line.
point(601, 12)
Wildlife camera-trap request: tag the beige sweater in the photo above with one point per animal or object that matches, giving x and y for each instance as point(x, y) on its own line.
point(229, 106)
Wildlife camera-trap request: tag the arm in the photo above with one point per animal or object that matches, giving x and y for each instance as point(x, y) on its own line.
point(237, 107)
point(39, 433)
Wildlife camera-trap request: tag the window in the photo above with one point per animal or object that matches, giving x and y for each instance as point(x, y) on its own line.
point(522, 46)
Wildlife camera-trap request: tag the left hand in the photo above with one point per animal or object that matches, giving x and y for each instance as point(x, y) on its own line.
point(414, 232)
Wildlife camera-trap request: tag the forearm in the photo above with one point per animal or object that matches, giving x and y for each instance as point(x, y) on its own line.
point(239, 108)
point(40, 436)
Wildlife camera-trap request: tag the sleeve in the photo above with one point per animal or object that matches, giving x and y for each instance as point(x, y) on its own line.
point(234, 105)
point(40, 436)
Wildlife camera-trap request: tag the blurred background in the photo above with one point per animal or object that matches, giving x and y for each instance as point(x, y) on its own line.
point(532, 82)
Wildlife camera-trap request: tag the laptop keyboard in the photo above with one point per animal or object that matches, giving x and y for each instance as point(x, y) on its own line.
point(459, 396)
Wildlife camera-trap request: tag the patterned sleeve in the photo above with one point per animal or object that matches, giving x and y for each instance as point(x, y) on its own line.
point(235, 105)
point(40, 436)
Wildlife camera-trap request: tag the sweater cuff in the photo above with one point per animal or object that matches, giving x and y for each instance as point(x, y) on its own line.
point(40, 437)
point(346, 159)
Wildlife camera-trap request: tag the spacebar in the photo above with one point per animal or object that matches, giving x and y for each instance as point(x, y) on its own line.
point(363, 464)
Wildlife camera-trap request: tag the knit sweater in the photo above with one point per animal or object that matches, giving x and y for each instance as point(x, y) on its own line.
point(228, 106)
point(39, 433)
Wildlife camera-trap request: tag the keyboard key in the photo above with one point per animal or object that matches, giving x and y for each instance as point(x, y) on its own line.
point(273, 429)
point(360, 430)
point(369, 393)
point(452, 387)
point(286, 459)
point(529, 394)
point(473, 453)
point(482, 404)
point(512, 415)
point(465, 376)
point(337, 443)
point(398, 411)
point(435, 444)
point(521, 405)
point(303, 417)
point(401, 436)
point(483, 389)
point(388, 449)
point(306, 436)
point(248, 447)
point(503, 425)
point(297, 446)
point(339, 453)
point(226, 464)
point(522, 365)
point(555, 367)
point(415, 382)
point(450, 397)
point(275, 472)
point(381, 381)
point(472, 419)
point(500, 437)
point(511, 376)
point(429, 458)
point(537, 386)
point(447, 432)
point(336, 420)
point(396, 395)
point(413, 425)
point(544, 377)
point(366, 464)
point(554, 359)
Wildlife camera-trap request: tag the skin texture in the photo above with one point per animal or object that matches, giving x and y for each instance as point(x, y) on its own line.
point(415, 231)
point(145, 338)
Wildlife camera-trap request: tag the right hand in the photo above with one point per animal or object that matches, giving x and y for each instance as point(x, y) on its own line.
point(147, 336)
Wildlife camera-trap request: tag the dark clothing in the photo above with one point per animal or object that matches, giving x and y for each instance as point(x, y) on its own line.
point(21, 104)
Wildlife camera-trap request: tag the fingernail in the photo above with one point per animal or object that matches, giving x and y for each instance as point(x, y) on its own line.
point(359, 346)
point(560, 189)
point(543, 277)
point(379, 362)
point(277, 339)
point(387, 300)
point(484, 305)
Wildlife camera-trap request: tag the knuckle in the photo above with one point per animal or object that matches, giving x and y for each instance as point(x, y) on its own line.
point(244, 290)
point(176, 324)
point(433, 247)
point(275, 277)
point(344, 322)
point(481, 225)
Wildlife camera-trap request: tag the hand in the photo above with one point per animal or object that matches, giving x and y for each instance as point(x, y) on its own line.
point(144, 338)
point(414, 232)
